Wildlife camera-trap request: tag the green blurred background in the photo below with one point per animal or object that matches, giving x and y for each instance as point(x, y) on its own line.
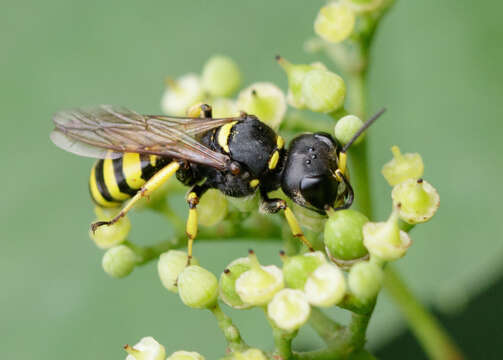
point(437, 67)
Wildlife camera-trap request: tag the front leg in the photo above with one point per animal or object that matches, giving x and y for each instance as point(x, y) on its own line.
point(272, 206)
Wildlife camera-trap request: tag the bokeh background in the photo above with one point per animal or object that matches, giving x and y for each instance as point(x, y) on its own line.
point(437, 67)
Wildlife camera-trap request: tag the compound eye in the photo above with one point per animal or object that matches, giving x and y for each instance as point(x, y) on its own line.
point(319, 190)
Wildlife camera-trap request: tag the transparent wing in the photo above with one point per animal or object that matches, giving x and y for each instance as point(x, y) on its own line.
point(108, 131)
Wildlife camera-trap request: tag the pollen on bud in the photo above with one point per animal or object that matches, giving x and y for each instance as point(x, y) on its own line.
point(107, 236)
point(347, 127)
point(250, 354)
point(180, 94)
point(185, 355)
point(296, 74)
point(212, 208)
point(416, 200)
point(221, 76)
point(326, 286)
point(385, 240)
point(402, 167)
point(257, 286)
point(146, 349)
point(335, 22)
point(227, 283)
point(170, 265)
point(365, 280)
point(289, 309)
point(119, 261)
point(296, 269)
point(343, 234)
point(264, 100)
point(323, 91)
point(197, 287)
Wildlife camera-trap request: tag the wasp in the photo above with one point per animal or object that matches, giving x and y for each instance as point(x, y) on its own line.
point(236, 155)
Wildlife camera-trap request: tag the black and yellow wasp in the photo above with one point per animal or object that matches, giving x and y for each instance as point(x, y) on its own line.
point(236, 155)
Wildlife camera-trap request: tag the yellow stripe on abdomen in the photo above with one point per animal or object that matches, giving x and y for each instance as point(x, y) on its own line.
point(131, 167)
point(96, 194)
point(111, 181)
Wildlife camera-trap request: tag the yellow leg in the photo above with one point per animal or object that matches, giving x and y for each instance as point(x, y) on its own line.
point(342, 162)
point(191, 227)
point(148, 188)
point(295, 227)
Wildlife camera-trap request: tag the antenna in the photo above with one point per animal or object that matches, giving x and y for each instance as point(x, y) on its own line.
point(363, 128)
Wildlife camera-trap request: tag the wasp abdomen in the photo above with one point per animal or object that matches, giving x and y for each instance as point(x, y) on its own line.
point(113, 181)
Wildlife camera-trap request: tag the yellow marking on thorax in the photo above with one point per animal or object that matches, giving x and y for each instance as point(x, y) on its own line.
point(280, 142)
point(111, 182)
point(95, 193)
point(273, 161)
point(223, 136)
point(254, 183)
point(131, 167)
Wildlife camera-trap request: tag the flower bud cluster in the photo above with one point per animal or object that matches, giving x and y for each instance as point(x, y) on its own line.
point(149, 349)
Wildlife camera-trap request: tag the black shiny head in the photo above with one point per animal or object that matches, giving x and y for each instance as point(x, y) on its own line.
point(309, 175)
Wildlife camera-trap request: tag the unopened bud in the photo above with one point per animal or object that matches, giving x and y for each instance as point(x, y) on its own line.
point(221, 76)
point(119, 261)
point(198, 288)
point(296, 74)
point(258, 285)
point(250, 354)
point(146, 349)
point(403, 167)
point(223, 107)
point(416, 200)
point(227, 283)
point(344, 235)
point(264, 100)
point(107, 236)
point(365, 280)
point(326, 286)
point(335, 22)
point(170, 265)
point(323, 91)
point(289, 309)
point(212, 208)
point(181, 94)
point(385, 240)
point(296, 269)
point(185, 355)
point(347, 127)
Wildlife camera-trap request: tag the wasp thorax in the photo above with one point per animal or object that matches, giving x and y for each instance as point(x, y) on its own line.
point(308, 177)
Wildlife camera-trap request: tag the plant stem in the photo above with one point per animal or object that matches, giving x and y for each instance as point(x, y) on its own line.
point(429, 332)
point(230, 331)
point(325, 327)
point(283, 342)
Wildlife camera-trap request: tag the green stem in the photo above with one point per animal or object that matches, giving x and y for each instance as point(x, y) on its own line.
point(429, 332)
point(283, 342)
point(230, 331)
point(325, 327)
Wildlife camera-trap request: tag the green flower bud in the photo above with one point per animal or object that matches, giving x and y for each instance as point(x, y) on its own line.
point(347, 127)
point(402, 167)
point(223, 107)
point(197, 287)
point(212, 208)
point(335, 22)
point(108, 236)
point(185, 355)
point(289, 309)
point(296, 74)
point(417, 200)
point(296, 269)
point(146, 349)
point(343, 234)
point(170, 265)
point(365, 280)
point(326, 286)
point(385, 240)
point(264, 100)
point(250, 354)
point(258, 285)
point(360, 6)
point(227, 283)
point(119, 261)
point(245, 204)
point(221, 76)
point(323, 91)
point(181, 94)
